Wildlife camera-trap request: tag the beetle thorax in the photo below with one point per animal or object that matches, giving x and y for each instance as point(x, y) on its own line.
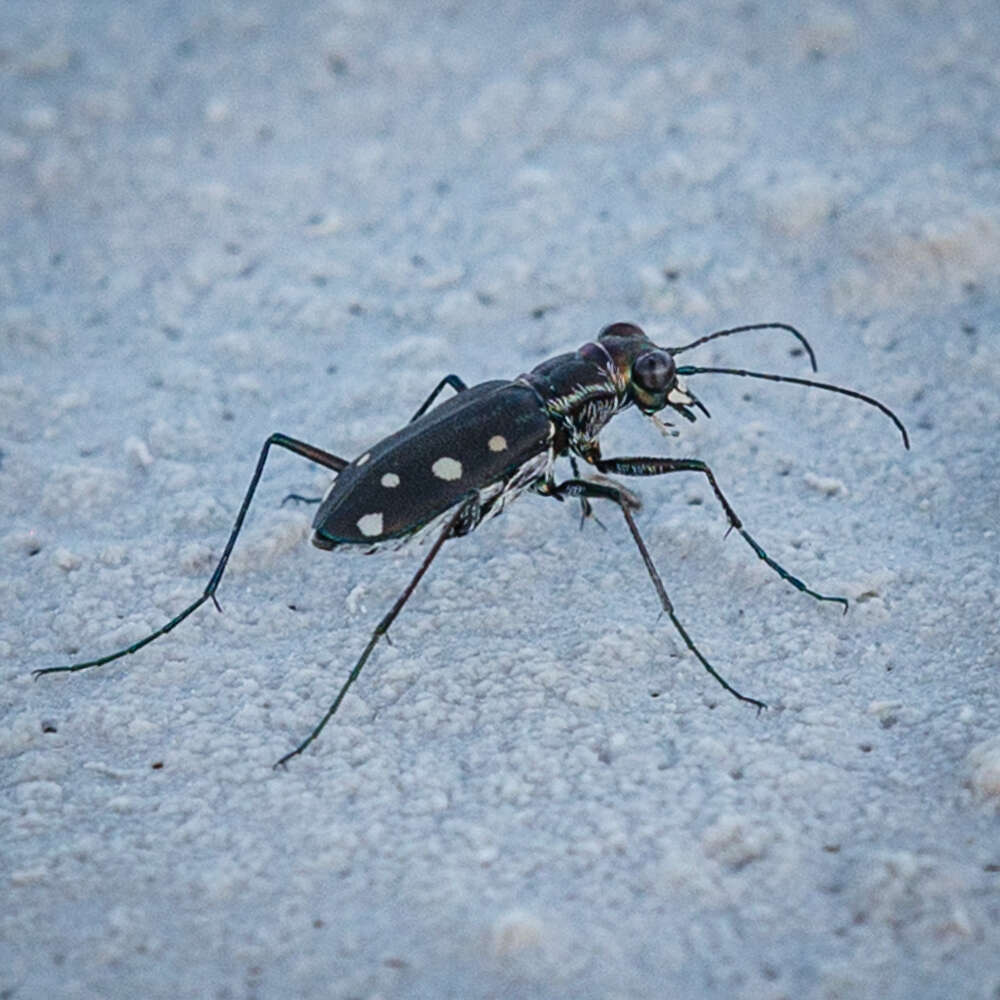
point(580, 393)
point(586, 417)
point(593, 401)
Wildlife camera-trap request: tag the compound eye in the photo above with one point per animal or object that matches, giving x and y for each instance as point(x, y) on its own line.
point(654, 371)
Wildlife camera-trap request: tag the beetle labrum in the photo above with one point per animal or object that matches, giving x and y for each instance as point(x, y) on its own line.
point(459, 463)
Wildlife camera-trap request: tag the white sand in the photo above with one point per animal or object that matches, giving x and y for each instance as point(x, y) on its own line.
point(220, 222)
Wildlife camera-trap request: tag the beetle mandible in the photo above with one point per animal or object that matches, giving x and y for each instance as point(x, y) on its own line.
point(457, 464)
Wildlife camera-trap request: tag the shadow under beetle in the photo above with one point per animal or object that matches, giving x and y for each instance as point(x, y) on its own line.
point(452, 467)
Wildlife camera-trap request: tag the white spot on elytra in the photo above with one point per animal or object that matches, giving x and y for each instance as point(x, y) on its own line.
point(370, 525)
point(364, 458)
point(497, 443)
point(390, 480)
point(447, 468)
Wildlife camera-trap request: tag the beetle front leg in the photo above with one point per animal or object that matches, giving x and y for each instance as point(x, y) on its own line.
point(586, 509)
point(644, 466)
point(627, 503)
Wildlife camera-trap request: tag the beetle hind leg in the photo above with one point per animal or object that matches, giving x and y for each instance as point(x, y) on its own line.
point(308, 451)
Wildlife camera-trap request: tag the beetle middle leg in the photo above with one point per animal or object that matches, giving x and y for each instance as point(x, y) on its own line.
point(453, 380)
point(626, 503)
point(468, 513)
point(640, 466)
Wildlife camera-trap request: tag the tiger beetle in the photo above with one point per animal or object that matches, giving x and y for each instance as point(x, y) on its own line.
point(455, 465)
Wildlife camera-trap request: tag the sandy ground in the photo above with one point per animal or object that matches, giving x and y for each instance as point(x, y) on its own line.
point(221, 221)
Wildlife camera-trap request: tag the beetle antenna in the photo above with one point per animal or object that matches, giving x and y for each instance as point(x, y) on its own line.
point(695, 370)
point(743, 329)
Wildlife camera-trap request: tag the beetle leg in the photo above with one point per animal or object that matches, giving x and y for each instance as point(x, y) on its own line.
point(586, 508)
point(638, 466)
point(308, 451)
point(453, 380)
point(467, 510)
point(299, 498)
point(611, 491)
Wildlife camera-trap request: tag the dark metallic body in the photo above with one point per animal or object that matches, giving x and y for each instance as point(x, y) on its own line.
point(559, 407)
point(483, 413)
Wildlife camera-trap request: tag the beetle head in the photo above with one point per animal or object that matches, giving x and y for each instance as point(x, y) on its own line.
point(649, 372)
